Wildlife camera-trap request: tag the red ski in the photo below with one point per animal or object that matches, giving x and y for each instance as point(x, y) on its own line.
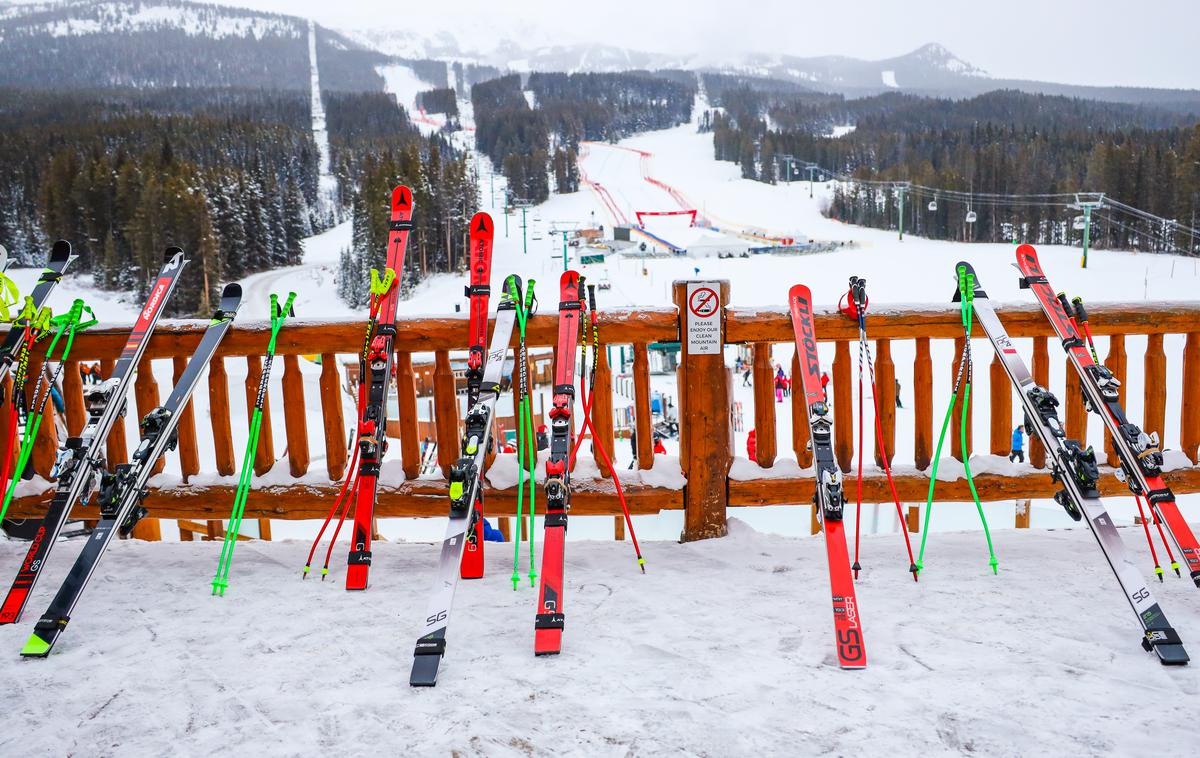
point(376, 379)
point(482, 232)
point(828, 498)
point(1141, 458)
point(548, 624)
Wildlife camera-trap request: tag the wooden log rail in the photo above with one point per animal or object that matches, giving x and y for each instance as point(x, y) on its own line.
point(710, 491)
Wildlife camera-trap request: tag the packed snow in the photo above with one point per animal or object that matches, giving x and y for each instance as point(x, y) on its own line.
point(723, 647)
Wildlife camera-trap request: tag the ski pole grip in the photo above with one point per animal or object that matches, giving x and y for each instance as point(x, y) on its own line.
point(1080, 311)
point(1065, 305)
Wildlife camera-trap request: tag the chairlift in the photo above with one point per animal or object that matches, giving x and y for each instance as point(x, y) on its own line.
point(1078, 223)
point(971, 217)
point(932, 205)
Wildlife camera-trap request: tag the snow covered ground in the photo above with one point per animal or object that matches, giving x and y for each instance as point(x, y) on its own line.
point(724, 647)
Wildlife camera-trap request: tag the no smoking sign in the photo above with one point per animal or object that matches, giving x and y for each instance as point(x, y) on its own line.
point(703, 318)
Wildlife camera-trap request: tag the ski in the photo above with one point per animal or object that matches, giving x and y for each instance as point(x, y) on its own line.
point(372, 425)
point(828, 498)
point(1075, 468)
point(482, 232)
point(549, 621)
point(466, 486)
point(1139, 453)
point(82, 458)
point(61, 257)
point(122, 491)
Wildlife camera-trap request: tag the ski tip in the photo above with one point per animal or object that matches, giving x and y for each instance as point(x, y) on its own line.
point(401, 198)
point(171, 253)
point(232, 290)
point(482, 225)
point(569, 278)
point(799, 292)
point(61, 251)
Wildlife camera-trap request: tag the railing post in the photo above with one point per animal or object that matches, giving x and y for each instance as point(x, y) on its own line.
point(189, 452)
point(406, 402)
point(1155, 389)
point(644, 429)
point(843, 407)
point(764, 406)
point(885, 383)
point(799, 416)
point(1001, 391)
point(1189, 422)
point(704, 421)
point(445, 411)
point(954, 432)
point(218, 407)
point(331, 412)
point(264, 453)
point(115, 450)
point(1041, 376)
point(1076, 421)
point(72, 385)
point(1116, 362)
point(923, 405)
point(295, 416)
point(602, 413)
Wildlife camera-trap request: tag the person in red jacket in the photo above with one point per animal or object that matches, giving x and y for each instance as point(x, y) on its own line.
point(659, 447)
point(752, 445)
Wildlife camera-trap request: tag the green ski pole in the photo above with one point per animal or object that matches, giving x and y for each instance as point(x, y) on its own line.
point(221, 580)
point(967, 289)
point(67, 324)
point(530, 436)
point(524, 430)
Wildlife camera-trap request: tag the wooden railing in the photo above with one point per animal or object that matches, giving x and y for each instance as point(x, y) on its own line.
point(705, 397)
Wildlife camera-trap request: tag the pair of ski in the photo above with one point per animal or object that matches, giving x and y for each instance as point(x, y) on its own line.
point(1072, 464)
point(466, 482)
point(80, 463)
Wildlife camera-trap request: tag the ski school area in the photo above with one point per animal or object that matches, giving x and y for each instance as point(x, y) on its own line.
point(970, 502)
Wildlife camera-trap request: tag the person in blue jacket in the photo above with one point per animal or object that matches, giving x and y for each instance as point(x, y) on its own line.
point(491, 533)
point(1018, 444)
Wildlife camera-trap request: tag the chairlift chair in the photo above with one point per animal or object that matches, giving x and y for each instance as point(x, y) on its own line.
point(932, 205)
point(971, 217)
point(1078, 223)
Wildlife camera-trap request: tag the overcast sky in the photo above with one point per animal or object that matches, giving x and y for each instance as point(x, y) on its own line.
point(1101, 42)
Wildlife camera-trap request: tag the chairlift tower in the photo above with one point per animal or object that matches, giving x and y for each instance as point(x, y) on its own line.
point(1087, 202)
point(524, 206)
point(901, 187)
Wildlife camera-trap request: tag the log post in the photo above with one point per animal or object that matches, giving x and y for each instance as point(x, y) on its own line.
point(704, 421)
point(1189, 423)
point(913, 518)
point(885, 387)
point(1023, 511)
point(1116, 361)
point(331, 411)
point(264, 454)
point(799, 416)
point(406, 402)
point(445, 411)
point(923, 405)
point(641, 400)
point(295, 416)
point(764, 405)
point(1001, 400)
point(619, 528)
point(218, 407)
point(45, 445)
point(189, 448)
point(1155, 390)
point(1041, 376)
point(114, 447)
point(1076, 422)
point(72, 386)
point(843, 407)
point(602, 412)
point(956, 447)
point(145, 393)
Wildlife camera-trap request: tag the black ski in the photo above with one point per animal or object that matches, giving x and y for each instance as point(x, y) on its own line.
point(466, 484)
point(82, 458)
point(122, 491)
point(1075, 467)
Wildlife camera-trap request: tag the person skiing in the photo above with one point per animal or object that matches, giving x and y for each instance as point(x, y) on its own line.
point(898, 403)
point(825, 386)
point(779, 385)
point(752, 445)
point(1018, 443)
point(746, 377)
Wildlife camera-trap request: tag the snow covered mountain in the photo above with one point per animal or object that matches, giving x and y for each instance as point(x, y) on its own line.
point(167, 43)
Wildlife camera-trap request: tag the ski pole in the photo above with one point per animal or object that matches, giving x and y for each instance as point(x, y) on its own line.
point(221, 580)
